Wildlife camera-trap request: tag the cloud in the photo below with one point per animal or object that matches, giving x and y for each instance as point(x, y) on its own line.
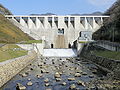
point(101, 2)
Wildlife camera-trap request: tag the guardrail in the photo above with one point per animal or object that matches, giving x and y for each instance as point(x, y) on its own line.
point(112, 46)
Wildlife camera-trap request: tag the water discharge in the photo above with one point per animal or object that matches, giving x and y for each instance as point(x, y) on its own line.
point(60, 53)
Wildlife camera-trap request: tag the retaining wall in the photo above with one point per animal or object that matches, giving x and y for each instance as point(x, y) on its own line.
point(38, 47)
point(109, 64)
point(10, 68)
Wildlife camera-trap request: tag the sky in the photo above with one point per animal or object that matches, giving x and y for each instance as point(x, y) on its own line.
point(59, 7)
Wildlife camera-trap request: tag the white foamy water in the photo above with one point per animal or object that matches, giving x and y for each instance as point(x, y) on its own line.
point(60, 53)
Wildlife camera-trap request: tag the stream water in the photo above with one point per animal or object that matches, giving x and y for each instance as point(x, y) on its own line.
point(47, 67)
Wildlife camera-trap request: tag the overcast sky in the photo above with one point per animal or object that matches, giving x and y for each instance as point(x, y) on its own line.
point(60, 7)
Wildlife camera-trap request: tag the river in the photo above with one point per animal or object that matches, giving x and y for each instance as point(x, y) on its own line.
point(46, 68)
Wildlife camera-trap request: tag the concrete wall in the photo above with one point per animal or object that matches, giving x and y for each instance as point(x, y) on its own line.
point(106, 63)
point(79, 47)
point(10, 68)
point(48, 25)
point(38, 47)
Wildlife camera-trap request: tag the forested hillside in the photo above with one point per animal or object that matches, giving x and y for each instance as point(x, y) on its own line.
point(111, 27)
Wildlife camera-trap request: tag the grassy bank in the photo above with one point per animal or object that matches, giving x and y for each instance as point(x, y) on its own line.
point(11, 51)
point(108, 54)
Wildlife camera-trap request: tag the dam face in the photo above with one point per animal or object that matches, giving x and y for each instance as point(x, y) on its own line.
point(57, 31)
point(60, 41)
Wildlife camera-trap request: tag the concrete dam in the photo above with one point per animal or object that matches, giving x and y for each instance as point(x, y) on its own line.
point(57, 31)
point(57, 67)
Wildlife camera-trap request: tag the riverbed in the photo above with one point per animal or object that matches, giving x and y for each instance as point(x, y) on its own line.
point(73, 73)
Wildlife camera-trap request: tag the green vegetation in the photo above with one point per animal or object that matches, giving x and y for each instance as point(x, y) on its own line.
point(84, 41)
point(32, 41)
point(108, 54)
point(111, 27)
point(11, 51)
point(9, 33)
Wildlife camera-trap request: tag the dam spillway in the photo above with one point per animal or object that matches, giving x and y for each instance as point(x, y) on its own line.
point(60, 53)
point(60, 41)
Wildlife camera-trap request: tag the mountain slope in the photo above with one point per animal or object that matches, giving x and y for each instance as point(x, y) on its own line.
point(4, 11)
point(10, 33)
point(111, 28)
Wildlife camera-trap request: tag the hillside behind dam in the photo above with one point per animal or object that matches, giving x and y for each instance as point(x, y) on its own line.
point(9, 33)
point(111, 27)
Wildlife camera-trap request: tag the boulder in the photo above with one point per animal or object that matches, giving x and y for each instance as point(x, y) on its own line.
point(84, 73)
point(47, 84)
point(43, 71)
point(29, 79)
point(71, 79)
point(64, 83)
point(20, 87)
point(77, 74)
point(72, 86)
point(60, 73)
point(39, 75)
point(94, 71)
point(24, 75)
point(58, 79)
point(46, 80)
point(91, 76)
point(57, 75)
point(29, 83)
point(48, 89)
point(80, 83)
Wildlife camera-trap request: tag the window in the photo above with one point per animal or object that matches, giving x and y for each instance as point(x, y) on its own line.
point(61, 31)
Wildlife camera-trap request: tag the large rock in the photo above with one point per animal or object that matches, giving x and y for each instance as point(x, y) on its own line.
point(46, 80)
point(91, 76)
point(81, 83)
point(57, 75)
point(39, 75)
point(20, 87)
point(64, 83)
point(24, 75)
point(72, 86)
point(43, 71)
point(84, 73)
point(58, 79)
point(29, 83)
point(47, 84)
point(48, 89)
point(77, 74)
point(71, 79)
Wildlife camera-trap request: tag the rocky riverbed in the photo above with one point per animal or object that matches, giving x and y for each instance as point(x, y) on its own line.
point(61, 74)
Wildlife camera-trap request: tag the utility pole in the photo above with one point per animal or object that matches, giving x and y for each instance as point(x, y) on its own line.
point(113, 35)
